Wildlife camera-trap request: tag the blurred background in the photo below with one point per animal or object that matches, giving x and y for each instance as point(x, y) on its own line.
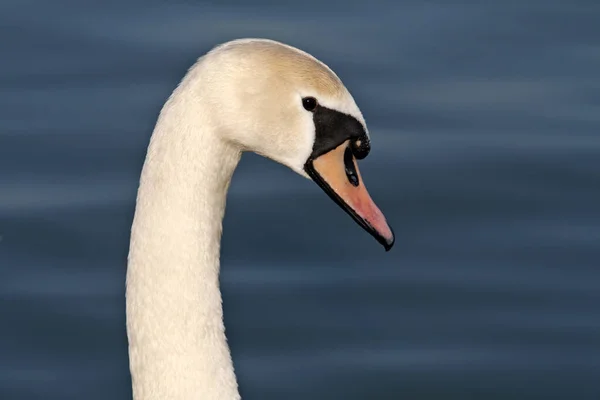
point(484, 119)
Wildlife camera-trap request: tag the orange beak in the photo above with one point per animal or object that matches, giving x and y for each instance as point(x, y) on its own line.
point(337, 173)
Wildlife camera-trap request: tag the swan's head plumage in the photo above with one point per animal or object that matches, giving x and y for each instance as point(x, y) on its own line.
point(257, 90)
point(283, 103)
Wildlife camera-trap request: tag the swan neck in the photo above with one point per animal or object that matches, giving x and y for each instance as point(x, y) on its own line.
point(177, 344)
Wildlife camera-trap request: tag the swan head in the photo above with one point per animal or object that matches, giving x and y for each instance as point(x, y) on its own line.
point(286, 105)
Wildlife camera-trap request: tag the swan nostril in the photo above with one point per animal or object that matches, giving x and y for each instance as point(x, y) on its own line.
point(350, 168)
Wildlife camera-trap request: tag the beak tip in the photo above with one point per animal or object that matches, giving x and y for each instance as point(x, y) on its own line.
point(388, 242)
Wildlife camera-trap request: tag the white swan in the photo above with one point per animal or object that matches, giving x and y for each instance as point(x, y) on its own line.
point(245, 95)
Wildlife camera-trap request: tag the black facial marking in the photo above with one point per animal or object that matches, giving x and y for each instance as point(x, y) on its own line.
point(361, 147)
point(334, 128)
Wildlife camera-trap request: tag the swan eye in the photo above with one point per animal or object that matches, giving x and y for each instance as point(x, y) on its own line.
point(309, 103)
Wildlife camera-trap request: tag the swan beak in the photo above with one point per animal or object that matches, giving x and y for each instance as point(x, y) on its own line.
point(336, 172)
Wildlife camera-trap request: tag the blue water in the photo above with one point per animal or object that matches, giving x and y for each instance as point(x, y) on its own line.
point(485, 123)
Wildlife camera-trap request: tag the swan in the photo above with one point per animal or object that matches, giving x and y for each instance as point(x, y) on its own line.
point(254, 95)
